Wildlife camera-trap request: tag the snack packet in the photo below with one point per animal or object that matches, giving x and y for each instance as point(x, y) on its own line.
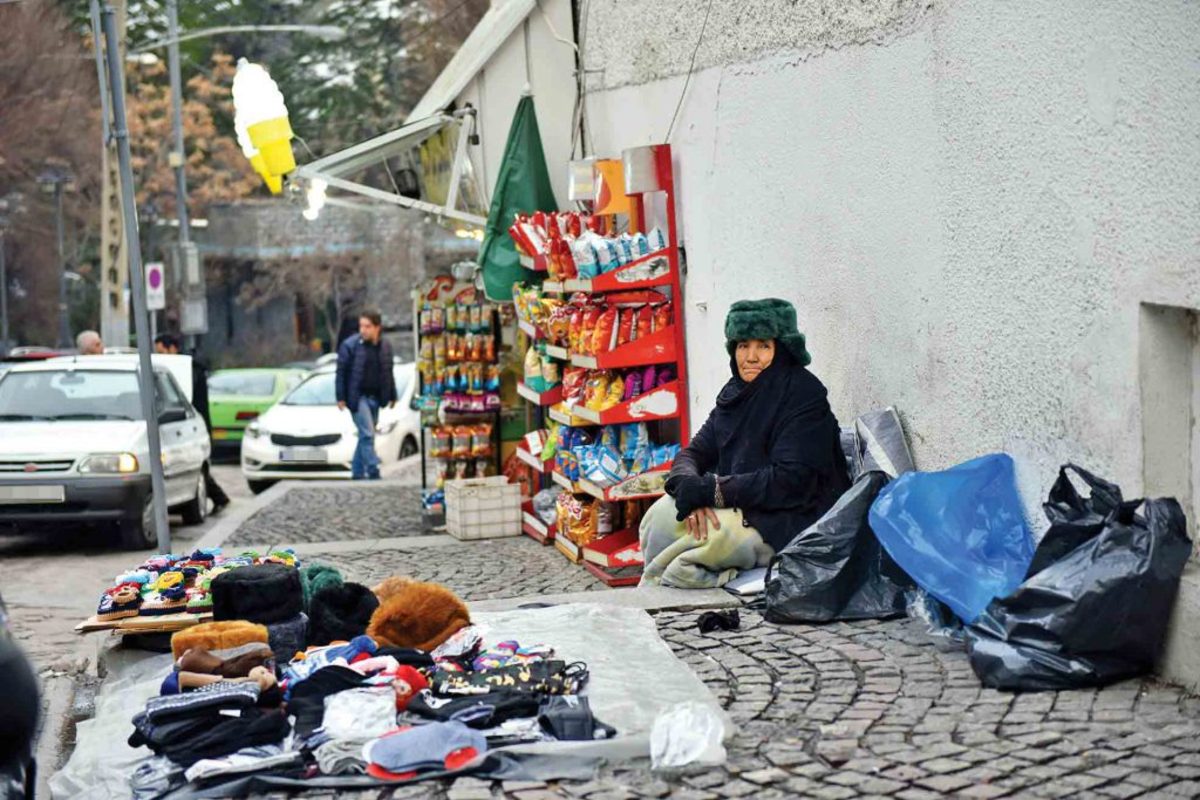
point(616, 390)
point(550, 372)
point(461, 442)
point(662, 316)
point(591, 315)
point(596, 391)
point(605, 333)
point(533, 370)
point(583, 253)
point(575, 329)
point(624, 326)
point(574, 381)
point(633, 386)
point(644, 322)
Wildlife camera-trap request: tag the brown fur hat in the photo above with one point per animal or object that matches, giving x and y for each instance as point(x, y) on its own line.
point(217, 636)
point(416, 614)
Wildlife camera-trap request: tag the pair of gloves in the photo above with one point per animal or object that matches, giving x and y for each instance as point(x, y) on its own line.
point(691, 493)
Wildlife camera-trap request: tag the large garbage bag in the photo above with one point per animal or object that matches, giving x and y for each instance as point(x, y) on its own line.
point(836, 569)
point(880, 444)
point(960, 534)
point(1095, 607)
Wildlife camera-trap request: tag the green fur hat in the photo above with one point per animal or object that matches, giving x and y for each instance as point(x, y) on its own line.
point(771, 318)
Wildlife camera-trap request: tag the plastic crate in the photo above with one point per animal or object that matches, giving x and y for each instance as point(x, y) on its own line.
point(483, 508)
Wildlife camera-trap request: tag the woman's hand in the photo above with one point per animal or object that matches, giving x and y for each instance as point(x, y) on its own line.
point(699, 522)
point(693, 493)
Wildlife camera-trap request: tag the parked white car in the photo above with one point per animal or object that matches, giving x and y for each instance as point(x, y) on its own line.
point(306, 436)
point(73, 446)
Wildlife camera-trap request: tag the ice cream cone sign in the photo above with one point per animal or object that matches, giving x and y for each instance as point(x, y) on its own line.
point(261, 122)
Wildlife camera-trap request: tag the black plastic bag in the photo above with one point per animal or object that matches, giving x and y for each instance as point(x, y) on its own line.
point(1095, 605)
point(836, 570)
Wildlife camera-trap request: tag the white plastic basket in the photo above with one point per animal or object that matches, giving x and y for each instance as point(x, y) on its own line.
point(483, 508)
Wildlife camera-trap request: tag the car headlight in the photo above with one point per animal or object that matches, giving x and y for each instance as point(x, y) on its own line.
point(109, 463)
point(255, 430)
point(386, 427)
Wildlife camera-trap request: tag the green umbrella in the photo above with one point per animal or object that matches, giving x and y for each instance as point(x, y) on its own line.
point(522, 187)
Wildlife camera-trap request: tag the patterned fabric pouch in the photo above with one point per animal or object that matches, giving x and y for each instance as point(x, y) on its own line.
point(541, 677)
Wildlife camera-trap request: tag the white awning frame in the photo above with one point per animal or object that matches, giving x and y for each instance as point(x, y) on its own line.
point(336, 168)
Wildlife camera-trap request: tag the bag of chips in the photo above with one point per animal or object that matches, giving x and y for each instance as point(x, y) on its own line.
point(550, 372)
point(558, 326)
point(610, 436)
point(644, 324)
point(481, 439)
point(587, 330)
point(574, 384)
point(584, 255)
point(616, 389)
point(596, 392)
point(460, 443)
point(439, 445)
point(625, 326)
point(575, 329)
point(605, 334)
point(662, 316)
point(533, 370)
point(633, 386)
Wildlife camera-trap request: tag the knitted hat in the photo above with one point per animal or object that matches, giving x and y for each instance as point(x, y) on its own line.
point(339, 613)
point(315, 577)
point(771, 318)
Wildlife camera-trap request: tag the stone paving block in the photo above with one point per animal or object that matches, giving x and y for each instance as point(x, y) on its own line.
point(943, 783)
point(983, 791)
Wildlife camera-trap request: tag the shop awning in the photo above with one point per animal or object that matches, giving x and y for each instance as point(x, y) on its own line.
point(436, 144)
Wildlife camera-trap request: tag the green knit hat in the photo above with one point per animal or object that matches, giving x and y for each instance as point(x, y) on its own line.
point(771, 318)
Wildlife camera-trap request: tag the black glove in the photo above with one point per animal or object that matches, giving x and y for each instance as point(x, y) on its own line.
point(693, 493)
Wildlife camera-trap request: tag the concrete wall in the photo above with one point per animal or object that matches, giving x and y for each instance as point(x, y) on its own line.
point(967, 201)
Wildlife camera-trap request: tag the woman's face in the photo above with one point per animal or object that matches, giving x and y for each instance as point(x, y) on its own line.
point(753, 356)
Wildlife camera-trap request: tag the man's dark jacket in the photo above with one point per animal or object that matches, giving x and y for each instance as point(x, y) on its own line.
point(352, 363)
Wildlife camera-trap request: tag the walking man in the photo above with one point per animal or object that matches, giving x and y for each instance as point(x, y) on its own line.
point(365, 383)
point(168, 344)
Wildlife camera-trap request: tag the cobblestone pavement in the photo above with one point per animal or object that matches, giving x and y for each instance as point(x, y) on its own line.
point(874, 710)
point(484, 570)
point(326, 514)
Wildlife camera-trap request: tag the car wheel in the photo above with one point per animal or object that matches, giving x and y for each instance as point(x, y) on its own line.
point(409, 447)
point(258, 487)
point(138, 533)
point(195, 511)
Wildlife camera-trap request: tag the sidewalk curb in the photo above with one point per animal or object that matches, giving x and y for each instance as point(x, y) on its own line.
point(58, 696)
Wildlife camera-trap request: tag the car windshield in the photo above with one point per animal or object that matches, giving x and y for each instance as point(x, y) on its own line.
point(75, 394)
point(242, 384)
point(318, 390)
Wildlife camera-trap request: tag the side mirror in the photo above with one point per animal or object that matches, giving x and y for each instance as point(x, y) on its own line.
point(172, 415)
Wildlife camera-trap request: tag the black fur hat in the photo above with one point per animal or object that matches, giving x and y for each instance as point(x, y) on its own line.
point(339, 613)
point(263, 593)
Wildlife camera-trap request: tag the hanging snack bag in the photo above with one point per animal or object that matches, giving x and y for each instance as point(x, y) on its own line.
point(596, 393)
point(641, 245)
point(583, 253)
point(633, 386)
point(591, 315)
point(550, 372)
point(574, 384)
point(606, 254)
point(439, 445)
point(481, 439)
point(662, 316)
point(644, 323)
point(461, 442)
point(489, 348)
point(616, 389)
point(575, 330)
point(558, 326)
point(624, 326)
point(604, 337)
point(626, 242)
point(633, 439)
point(533, 369)
point(491, 382)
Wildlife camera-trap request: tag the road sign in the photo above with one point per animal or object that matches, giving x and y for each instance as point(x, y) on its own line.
point(156, 286)
point(194, 317)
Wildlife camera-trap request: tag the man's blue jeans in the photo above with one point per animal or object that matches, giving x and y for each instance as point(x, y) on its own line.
point(365, 463)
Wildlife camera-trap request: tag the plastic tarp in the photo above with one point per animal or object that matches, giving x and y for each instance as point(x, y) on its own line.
point(836, 569)
point(960, 534)
point(1095, 606)
point(635, 677)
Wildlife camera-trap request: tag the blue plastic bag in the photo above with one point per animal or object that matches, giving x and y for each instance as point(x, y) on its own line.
point(960, 534)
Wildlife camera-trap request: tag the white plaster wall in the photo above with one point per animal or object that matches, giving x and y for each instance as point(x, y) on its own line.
point(496, 90)
point(967, 205)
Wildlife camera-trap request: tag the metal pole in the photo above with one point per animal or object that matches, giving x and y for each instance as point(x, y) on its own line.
point(146, 383)
point(64, 324)
point(3, 299)
point(177, 157)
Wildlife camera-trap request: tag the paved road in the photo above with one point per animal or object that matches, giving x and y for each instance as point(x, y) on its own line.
point(51, 582)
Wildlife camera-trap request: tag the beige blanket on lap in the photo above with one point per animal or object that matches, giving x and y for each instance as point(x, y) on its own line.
point(675, 558)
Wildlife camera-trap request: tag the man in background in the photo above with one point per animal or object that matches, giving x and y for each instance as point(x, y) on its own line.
point(89, 343)
point(365, 383)
point(168, 344)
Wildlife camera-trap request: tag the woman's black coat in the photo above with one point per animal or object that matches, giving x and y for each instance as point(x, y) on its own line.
point(774, 445)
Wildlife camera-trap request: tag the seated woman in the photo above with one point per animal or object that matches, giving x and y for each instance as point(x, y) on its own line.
point(766, 465)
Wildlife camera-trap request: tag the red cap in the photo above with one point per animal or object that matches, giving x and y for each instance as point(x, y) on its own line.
point(415, 680)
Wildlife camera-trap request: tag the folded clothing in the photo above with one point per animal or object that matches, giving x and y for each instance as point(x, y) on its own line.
point(307, 698)
point(339, 613)
point(314, 659)
point(255, 654)
point(436, 746)
point(480, 711)
point(360, 714)
point(209, 734)
point(288, 637)
point(341, 757)
point(214, 697)
point(539, 677)
point(263, 593)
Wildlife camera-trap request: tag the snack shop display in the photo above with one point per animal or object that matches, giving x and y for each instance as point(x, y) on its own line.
point(603, 360)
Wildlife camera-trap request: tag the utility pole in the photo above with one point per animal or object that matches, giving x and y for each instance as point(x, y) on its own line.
point(146, 381)
point(54, 180)
point(114, 264)
point(195, 306)
point(3, 295)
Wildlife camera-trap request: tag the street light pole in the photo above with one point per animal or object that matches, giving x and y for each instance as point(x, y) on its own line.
point(64, 323)
point(193, 282)
point(137, 279)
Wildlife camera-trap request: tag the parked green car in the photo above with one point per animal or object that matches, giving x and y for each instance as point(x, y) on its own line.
point(237, 396)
